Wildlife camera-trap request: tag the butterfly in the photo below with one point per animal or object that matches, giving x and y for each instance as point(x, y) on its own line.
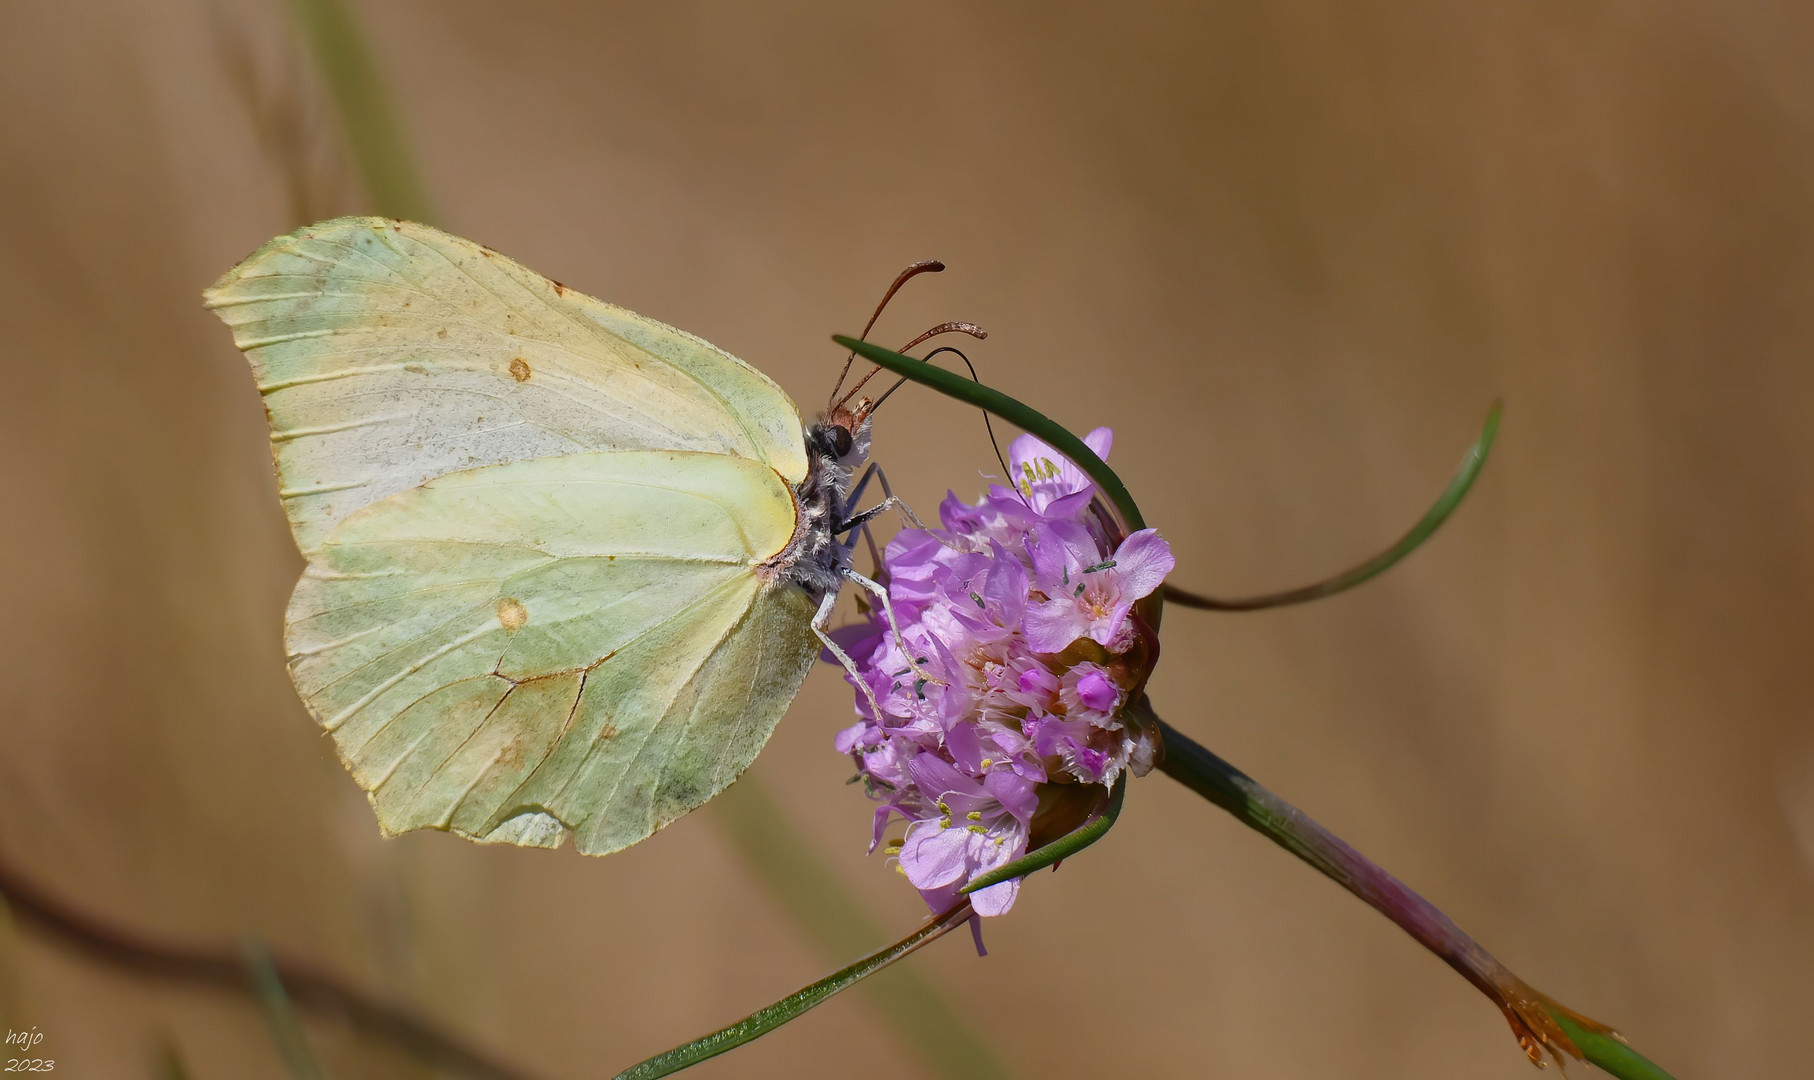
point(567, 565)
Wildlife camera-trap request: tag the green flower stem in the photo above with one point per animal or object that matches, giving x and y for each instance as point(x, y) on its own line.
point(1014, 412)
point(1062, 848)
point(835, 921)
point(1610, 1053)
point(1537, 1021)
point(1445, 505)
point(814, 893)
point(760, 1023)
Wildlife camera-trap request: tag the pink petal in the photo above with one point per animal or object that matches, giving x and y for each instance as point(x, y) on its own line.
point(1141, 563)
point(933, 856)
point(965, 745)
point(1054, 624)
point(1105, 630)
point(1100, 441)
point(1015, 793)
point(996, 899)
point(853, 736)
point(1025, 449)
point(879, 825)
point(938, 780)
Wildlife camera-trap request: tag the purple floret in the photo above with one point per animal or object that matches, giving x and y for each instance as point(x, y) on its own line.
point(1018, 615)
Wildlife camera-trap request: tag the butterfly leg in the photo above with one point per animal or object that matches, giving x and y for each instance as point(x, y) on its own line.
point(890, 499)
point(888, 609)
point(849, 543)
point(820, 621)
point(875, 557)
point(913, 519)
point(872, 513)
point(857, 489)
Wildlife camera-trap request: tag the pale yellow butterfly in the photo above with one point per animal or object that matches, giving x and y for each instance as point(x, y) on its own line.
point(567, 566)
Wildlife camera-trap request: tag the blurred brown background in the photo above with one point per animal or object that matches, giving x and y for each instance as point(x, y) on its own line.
point(1290, 252)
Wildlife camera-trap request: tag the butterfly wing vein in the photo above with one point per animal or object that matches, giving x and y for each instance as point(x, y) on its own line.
point(389, 353)
point(506, 653)
point(533, 522)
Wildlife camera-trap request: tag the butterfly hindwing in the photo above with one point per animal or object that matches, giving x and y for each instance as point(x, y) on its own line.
point(567, 644)
point(389, 353)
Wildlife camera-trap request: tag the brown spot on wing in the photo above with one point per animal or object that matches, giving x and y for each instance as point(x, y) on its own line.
point(519, 369)
point(512, 614)
point(559, 289)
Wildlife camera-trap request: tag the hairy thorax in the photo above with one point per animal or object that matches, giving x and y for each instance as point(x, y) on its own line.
point(837, 443)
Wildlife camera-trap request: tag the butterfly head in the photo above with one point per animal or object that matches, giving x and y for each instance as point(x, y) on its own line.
point(840, 436)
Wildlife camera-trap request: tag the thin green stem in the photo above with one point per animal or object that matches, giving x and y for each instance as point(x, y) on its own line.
point(1446, 504)
point(1538, 1022)
point(167, 1062)
point(280, 1017)
point(1014, 412)
point(835, 921)
point(760, 1023)
point(1610, 1054)
point(1062, 848)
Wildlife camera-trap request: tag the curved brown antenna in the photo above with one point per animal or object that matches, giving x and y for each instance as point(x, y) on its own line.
point(970, 328)
point(1006, 473)
point(924, 266)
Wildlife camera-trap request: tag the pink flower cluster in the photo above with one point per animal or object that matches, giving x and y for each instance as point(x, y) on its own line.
point(1023, 648)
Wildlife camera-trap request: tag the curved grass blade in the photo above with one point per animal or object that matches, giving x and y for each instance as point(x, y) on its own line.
point(1445, 505)
point(760, 1023)
point(372, 128)
point(167, 1062)
point(286, 1030)
point(1014, 412)
point(1062, 848)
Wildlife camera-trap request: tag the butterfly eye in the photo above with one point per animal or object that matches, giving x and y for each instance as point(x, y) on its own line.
point(840, 440)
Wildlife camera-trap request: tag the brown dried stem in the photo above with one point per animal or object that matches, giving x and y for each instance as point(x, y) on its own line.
point(225, 969)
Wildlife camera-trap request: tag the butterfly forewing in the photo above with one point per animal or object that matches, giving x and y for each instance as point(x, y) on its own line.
point(390, 352)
